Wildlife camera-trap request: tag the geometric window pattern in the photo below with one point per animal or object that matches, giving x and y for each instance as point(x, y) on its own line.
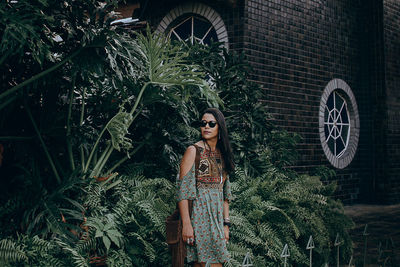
point(194, 21)
point(193, 28)
point(339, 123)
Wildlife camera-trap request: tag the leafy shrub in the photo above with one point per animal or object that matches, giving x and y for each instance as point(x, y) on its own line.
point(122, 223)
point(272, 210)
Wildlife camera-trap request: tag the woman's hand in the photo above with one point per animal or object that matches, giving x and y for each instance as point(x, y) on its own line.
point(188, 234)
point(226, 233)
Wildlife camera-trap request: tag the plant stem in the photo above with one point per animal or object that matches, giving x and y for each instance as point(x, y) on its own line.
point(137, 114)
point(113, 184)
point(105, 127)
point(82, 107)
point(80, 125)
point(125, 158)
point(15, 138)
point(4, 57)
point(139, 97)
point(103, 162)
point(106, 155)
point(40, 75)
point(11, 99)
point(82, 157)
point(69, 146)
point(100, 163)
point(94, 149)
point(53, 167)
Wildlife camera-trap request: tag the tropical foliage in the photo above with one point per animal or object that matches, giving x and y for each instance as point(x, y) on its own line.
point(81, 100)
point(90, 82)
point(271, 210)
point(122, 224)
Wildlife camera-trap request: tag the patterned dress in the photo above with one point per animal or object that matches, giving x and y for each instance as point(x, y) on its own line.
point(208, 193)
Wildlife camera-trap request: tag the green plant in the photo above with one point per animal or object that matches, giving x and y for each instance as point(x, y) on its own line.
point(107, 231)
point(133, 205)
point(80, 99)
point(272, 210)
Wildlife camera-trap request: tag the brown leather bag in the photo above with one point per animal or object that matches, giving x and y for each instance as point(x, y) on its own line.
point(173, 228)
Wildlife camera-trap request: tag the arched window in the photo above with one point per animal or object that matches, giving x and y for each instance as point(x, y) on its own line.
point(194, 29)
point(339, 123)
point(194, 22)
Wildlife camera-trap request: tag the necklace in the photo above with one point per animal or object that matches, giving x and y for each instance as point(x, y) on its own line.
point(215, 160)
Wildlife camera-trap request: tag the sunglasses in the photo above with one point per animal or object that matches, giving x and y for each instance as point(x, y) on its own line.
point(210, 123)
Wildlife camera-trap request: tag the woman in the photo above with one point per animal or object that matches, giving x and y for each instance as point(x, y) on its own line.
point(206, 231)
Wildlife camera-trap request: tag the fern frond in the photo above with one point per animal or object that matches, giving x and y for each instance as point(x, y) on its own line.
point(11, 252)
point(78, 259)
point(86, 244)
point(149, 250)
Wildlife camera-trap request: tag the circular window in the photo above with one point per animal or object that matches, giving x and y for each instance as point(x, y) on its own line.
point(339, 123)
point(194, 22)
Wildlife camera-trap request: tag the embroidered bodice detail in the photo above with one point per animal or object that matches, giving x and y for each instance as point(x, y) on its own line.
point(210, 169)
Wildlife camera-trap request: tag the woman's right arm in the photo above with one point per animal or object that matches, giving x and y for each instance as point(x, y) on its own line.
point(186, 165)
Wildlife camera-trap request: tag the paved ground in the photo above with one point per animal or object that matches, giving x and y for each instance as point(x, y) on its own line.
point(383, 230)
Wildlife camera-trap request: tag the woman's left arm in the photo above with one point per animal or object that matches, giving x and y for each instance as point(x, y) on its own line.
point(226, 219)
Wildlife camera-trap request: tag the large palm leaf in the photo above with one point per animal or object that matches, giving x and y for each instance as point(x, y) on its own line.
point(164, 64)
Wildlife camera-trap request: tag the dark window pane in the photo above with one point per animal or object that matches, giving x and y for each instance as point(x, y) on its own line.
point(201, 27)
point(345, 117)
point(331, 145)
point(329, 102)
point(339, 146)
point(184, 30)
point(345, 132)
point(335, 132)
point(326, 115)
point(326, 128)
point(211, 37)
point(339, 101)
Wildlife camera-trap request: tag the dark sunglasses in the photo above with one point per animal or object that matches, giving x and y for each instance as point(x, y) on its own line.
point(210, 123)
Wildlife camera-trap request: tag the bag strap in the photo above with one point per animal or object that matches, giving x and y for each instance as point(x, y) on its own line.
point(196, 171)
point(197, 160)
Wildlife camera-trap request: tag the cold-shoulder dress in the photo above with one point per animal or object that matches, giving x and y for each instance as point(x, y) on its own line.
point(208, 193)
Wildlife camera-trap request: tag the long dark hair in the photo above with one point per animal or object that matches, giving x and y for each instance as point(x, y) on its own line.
point(223, 143)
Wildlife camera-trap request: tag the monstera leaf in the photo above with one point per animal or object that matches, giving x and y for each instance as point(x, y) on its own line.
point(118, 128)
point(164, 64)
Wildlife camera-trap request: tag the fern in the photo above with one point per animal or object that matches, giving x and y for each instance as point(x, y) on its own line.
point(77, 258)
point(86, 244)
point(271, 211)
point(11, 252)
